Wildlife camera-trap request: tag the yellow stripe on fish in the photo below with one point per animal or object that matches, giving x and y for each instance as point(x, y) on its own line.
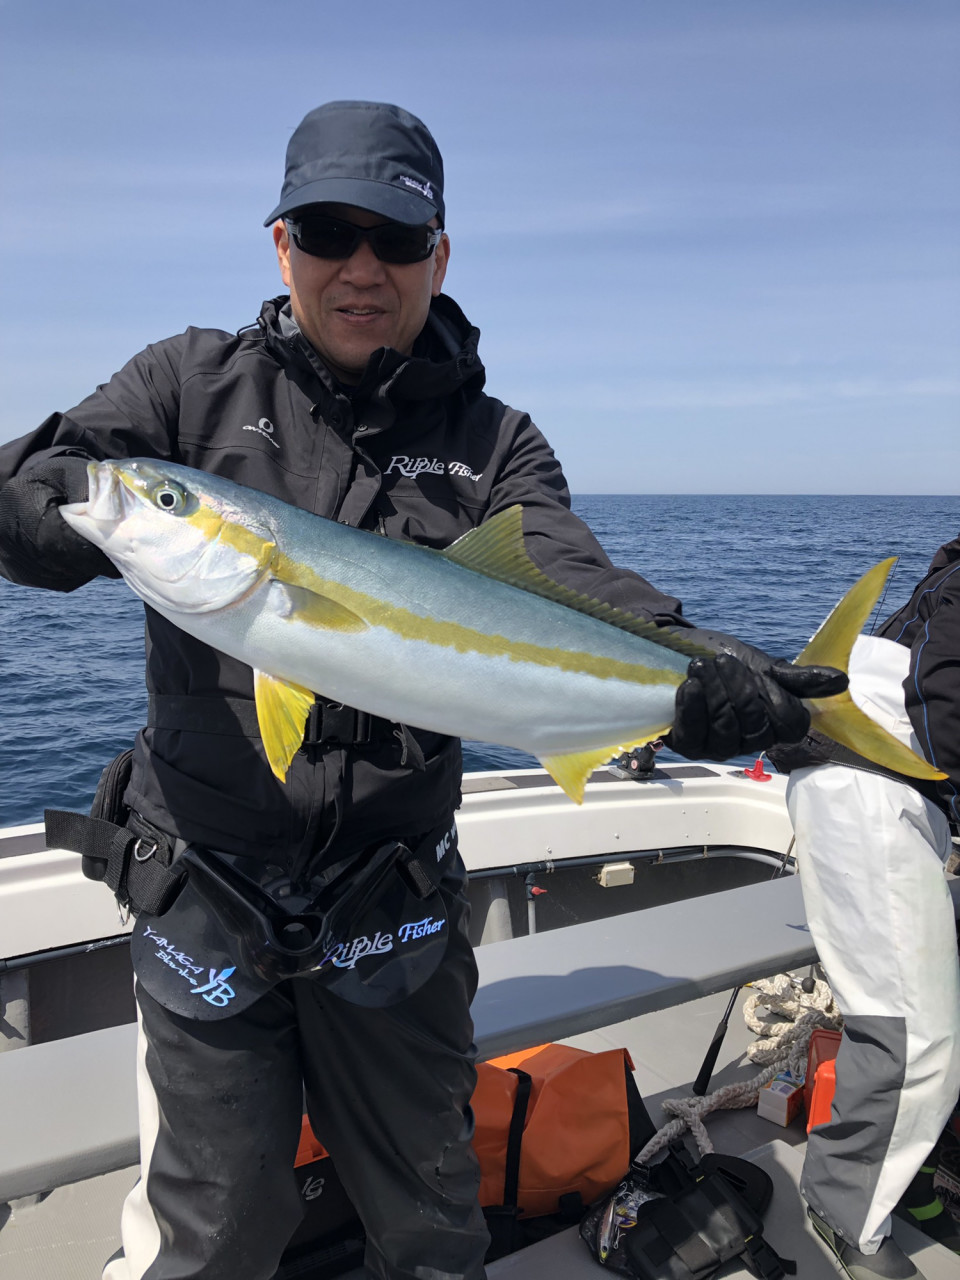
point(325, 603)
point(366, 610)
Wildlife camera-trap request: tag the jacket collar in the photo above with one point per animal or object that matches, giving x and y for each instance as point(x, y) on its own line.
point(948, 554)
point(444, 358)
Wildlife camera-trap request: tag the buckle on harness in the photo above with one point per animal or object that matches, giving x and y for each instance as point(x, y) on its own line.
point(334, 725)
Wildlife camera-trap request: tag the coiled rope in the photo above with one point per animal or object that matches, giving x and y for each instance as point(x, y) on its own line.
point(789, 1017)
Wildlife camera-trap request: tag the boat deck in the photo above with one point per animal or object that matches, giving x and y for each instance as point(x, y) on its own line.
point(71, 1232)
point(669, 1045)
point(69, 1103)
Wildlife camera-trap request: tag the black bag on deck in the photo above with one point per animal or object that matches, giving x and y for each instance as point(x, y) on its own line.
point(683, 1220)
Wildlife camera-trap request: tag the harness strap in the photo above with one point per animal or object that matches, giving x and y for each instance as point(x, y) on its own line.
point(837, 753)
point(422, 875)
point(135, 862)
point(228, 717)
point(329, 724)
point(103, 846)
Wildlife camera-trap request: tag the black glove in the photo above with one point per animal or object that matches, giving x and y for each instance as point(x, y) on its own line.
point(742, 700)
point(37, 546)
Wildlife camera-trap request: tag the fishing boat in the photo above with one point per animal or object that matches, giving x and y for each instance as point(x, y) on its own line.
point(626, 921)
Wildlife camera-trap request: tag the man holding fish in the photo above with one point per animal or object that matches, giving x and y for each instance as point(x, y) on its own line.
point(308, 683)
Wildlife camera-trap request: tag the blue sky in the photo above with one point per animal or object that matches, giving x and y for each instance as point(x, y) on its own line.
point(711, 245)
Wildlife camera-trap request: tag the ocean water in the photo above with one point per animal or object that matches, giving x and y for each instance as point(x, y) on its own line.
point(766, 568)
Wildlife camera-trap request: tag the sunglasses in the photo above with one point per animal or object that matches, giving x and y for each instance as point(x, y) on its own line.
point(394, 242)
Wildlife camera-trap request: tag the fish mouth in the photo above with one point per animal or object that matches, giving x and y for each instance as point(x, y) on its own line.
point(113, 491)
point(112, 497)
point(105, 505)
point(106, 500)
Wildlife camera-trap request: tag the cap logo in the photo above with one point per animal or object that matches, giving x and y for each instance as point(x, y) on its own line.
point(424, 188)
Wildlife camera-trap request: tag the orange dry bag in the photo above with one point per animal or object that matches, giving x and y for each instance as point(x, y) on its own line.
point(556, 1127)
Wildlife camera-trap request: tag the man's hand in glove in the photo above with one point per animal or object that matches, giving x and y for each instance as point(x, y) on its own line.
point(742, 701)
point(37, 546)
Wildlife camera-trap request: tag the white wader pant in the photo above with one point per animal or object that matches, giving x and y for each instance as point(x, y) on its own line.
point(871, 855)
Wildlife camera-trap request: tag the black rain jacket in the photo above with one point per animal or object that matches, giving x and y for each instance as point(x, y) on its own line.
point(929, 624)
point(417, 451)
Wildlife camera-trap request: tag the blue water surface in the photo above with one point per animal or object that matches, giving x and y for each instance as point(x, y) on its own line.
point(766, 568)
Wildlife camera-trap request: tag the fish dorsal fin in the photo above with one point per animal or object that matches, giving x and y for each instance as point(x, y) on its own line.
point(496, 549)
point(282, 709)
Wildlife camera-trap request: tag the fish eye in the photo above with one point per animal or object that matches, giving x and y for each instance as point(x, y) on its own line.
point(170, 497)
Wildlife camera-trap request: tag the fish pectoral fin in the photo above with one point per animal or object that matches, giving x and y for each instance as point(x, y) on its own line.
point(299, 604)
point(282, 710)
point(842, 720)
point(572, 770)
point(497, 550)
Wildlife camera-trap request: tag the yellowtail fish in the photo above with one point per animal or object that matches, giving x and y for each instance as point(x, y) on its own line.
point(473, 641)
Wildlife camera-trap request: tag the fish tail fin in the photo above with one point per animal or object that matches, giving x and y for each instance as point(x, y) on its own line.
point(839, 717)
point(842, 720)
point(831, 645)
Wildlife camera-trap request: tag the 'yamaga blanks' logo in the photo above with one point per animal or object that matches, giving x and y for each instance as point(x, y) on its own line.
point(216, 990)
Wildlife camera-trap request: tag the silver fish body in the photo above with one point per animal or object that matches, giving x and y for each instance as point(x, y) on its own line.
point(401, 631)
point(472, 641)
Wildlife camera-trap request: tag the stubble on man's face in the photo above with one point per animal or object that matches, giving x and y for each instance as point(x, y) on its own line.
point(348, 309)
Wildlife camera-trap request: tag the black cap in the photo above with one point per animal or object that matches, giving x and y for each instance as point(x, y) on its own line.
point(369, 154)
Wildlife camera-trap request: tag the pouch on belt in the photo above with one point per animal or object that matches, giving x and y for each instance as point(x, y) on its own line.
point(373, 935)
